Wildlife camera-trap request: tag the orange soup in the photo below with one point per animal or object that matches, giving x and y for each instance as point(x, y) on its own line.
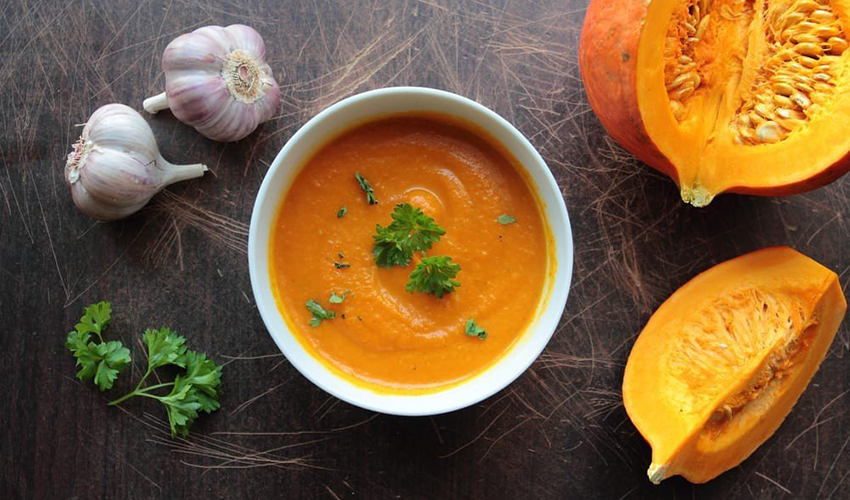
point(382, 336)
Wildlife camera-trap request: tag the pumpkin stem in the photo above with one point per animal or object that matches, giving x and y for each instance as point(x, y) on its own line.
point(697, 196)
point(657, 472)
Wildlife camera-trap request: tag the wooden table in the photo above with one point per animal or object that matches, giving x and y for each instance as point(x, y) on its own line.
point(560, 431)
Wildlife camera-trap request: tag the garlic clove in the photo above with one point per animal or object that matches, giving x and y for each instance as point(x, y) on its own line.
point(217, 81)
point(115, 167)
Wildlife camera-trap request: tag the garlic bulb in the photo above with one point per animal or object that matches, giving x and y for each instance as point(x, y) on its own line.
point(115, 167)
point(217, 80)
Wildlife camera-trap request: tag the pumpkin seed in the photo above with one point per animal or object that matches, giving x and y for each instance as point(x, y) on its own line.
point(809, 49)
point(769, 132)
point(837, 45)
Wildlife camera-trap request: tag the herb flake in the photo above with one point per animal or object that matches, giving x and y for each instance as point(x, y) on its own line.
point(319, 313)
point(473, 330)
point(506, 219)
point(367, 188)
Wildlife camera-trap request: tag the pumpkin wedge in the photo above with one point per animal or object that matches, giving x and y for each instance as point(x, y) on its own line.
point(723, 360)
point(738, 96)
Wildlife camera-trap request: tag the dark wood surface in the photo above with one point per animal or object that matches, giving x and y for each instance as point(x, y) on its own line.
point(560, 431)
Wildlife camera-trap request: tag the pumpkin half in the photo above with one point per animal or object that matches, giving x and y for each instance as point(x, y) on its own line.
point(723, 360)
point(743, 96)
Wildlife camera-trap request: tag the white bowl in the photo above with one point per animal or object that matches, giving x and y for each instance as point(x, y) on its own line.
point(373, 105)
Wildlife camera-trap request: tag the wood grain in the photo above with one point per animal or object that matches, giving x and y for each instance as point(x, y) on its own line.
point(558, 432)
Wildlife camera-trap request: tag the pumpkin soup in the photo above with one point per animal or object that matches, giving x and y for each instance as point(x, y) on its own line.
point(409, 253)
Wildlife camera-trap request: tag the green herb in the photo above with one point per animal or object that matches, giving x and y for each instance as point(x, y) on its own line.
point(98, 361)
point(506, 219)
point(341, 265)
point(337, 299)
point(196, 390)
point(410, 231)
point(367, 188)
point(319, 313)
point(341, 212)
point(434, 275)
point(474, 330)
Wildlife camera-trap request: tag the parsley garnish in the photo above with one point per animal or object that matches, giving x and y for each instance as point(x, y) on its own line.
point(474, 330)
point(506, 219)
point(434, 275)
point(192, 392)
point(337, 299)
point(367, 188)
point(99, 361)
point(410, 231)
point(319, 313)
point(341, 212)
point(342, 265)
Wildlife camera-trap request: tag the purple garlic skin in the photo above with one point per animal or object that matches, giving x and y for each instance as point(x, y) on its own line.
point(217, 80)
point(115, 167)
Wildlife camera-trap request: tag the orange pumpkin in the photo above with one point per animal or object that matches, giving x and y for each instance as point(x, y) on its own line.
point(723, 360)
point(725, 95)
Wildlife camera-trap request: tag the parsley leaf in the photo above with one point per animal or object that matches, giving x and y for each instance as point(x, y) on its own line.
point(337, 299)
point(196, 390)
point(341, 212)
point(319, 313)
point(410, 231)
point(164, 348)
point(434, 275)
point(98, 361)
point(342, 265)
point(95, 319)
point(367, 188)
point(474, 330)
point(506, 219)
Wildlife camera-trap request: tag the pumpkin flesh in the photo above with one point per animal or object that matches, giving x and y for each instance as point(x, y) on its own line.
point(724, 359)
point(740, 96)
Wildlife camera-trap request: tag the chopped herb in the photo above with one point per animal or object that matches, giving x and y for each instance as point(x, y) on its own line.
point(337, 299)
point(341, 256)
point(367, 188)
point(319, 313)
point(342, 265)
point(506, 219)
point(474, 330)
point(434, 275)
point(410, 231)
point(341, 212)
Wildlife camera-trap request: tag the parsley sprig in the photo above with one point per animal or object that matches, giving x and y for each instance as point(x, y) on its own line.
point(410, 231)
point(434, 275)
point(99, 360)
point(196, 390)
point(192, 392)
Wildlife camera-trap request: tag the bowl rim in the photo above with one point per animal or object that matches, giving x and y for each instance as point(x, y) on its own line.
point(393, 403)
